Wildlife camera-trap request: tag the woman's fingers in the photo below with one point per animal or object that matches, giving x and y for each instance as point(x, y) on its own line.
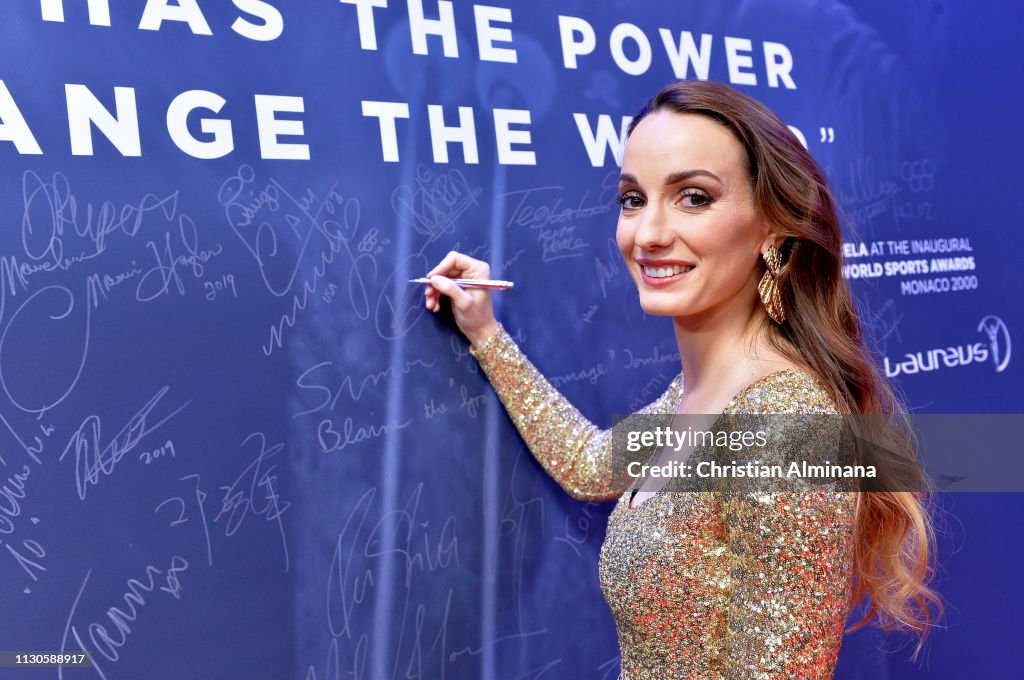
point(473, 309)
point(433, 298)
point(454, 265)
point(450, 265)
point(458, 265)
point(460, 298)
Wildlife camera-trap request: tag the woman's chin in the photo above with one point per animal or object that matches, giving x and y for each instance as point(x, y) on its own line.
point(657, 308)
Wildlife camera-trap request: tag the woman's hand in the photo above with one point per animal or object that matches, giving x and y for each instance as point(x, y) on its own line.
point(473, 308)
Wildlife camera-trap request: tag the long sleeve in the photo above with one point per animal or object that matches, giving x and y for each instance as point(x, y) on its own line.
point(574, 451)
point(789, 553)
point(789, 563)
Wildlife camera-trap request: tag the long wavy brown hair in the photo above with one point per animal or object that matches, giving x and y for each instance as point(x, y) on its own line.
point(894, 538)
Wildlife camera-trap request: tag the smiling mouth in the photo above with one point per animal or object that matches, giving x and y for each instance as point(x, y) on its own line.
point(663, 275)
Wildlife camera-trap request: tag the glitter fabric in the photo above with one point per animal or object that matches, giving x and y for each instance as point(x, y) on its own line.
point(741, 584)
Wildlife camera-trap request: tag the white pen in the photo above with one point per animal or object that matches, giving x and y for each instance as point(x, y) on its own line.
point(474, 283)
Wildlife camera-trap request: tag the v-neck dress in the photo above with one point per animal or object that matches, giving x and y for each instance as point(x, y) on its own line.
point(701, 584)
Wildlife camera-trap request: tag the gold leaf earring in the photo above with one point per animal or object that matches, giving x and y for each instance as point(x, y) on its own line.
point(768, 288)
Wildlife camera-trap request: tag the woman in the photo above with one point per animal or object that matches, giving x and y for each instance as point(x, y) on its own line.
point(727, 226)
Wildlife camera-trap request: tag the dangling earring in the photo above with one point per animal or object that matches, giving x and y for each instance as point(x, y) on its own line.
point(768, 288)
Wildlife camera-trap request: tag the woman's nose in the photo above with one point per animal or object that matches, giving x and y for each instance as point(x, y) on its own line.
point(653, 232)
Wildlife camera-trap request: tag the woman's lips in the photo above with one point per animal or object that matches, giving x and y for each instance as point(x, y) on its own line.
point(662, 280)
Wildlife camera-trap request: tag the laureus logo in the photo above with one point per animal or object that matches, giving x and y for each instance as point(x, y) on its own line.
point(998, 348)
point(998, 340)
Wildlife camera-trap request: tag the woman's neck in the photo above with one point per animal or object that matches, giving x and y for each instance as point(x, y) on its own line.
point(722, 348)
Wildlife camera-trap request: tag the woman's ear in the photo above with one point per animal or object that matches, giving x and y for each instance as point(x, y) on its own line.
point(773, 238)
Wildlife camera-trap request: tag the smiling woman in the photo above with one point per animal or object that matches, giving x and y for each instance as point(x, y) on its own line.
point(728, 227)
point(690, 236)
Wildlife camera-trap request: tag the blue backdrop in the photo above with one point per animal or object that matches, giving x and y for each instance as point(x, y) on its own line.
point(233, 444)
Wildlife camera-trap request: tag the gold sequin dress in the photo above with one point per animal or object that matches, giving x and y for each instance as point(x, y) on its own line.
point(701, 585)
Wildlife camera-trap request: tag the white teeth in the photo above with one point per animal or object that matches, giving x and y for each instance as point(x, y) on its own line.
point(662, 272)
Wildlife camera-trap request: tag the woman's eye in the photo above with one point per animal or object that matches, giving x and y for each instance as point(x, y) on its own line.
point(630, 200)
point(695, 198)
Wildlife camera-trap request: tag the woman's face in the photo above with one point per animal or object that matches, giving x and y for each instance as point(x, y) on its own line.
point(687, 229)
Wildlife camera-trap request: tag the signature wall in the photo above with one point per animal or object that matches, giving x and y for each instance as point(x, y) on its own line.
point(233, 444)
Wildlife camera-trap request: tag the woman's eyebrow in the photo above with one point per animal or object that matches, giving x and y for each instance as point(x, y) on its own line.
point(674, 178)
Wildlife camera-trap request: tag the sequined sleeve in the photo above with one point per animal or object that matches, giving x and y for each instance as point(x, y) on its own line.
point(789, 555)
point(574, 451)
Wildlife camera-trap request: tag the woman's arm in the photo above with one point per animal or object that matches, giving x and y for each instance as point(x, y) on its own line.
point(789, 543)
point(574, 451)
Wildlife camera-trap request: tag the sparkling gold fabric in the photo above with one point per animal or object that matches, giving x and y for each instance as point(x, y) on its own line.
point(701, 585)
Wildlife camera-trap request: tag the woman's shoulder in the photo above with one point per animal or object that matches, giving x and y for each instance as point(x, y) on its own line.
point(668, 401)
point(789, 390)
